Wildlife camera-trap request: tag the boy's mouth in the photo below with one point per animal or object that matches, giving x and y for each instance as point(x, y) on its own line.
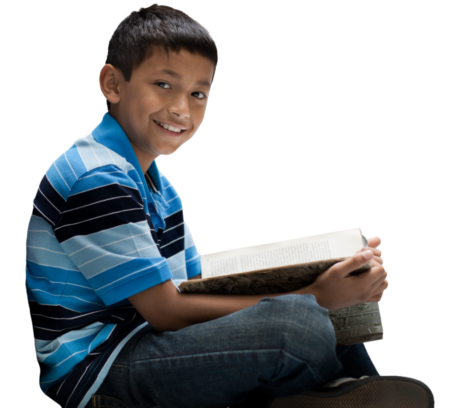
point(170, 128)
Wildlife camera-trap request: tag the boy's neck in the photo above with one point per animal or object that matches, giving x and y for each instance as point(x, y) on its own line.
point(145, 160)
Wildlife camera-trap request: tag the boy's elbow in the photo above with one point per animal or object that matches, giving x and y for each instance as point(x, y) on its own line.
point(160, 307)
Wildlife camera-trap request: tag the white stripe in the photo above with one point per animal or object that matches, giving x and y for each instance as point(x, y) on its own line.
point(101, 201)
point(178, 268)
point(172, 199)
point(110, 228)
point(51, 184)
point(61, 176)
point(73, 297)
point(124, 277)
point(101, 172)
point(100, 216)
point(43, 214)
point(70, 166)
point(110, 243)
point(59, 389)
point(66, 308)
point(63, 361)
point(169, 243)
point(69, 318)
point(51, 265)
point(62, 283)
point(108, 151)
point(54, 266)
point(48, 200)
point(97, 157)
point(49, 233)
point(191, 259)
point(105, 185)
point(108, 254)
point(46, 249)
point(42, 328)
point(77, 384)
point(110, 333)
point(170, 215)
point(175, 226)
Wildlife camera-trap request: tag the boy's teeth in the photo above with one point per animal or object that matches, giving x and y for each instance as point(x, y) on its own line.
point(173, 129)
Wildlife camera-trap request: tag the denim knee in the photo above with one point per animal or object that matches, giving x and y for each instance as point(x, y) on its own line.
point(299, 318)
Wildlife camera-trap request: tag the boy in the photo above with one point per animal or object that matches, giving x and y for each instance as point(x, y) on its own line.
point(107, 247)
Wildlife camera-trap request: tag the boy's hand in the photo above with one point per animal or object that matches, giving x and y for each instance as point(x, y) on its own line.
point(373, 244)
point(336, 289)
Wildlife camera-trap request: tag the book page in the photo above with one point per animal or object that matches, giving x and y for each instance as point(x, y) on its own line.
point(302, 250)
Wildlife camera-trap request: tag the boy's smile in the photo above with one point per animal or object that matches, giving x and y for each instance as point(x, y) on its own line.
point(163, 104)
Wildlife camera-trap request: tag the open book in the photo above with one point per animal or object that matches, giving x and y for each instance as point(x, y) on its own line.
point(287, 266)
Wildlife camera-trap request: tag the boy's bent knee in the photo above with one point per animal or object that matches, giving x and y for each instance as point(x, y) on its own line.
point(298, 319)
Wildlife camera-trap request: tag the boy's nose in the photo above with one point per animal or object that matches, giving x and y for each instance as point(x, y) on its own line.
point(180, 108)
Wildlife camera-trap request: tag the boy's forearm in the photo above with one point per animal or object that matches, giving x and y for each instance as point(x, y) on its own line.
point(191, 308)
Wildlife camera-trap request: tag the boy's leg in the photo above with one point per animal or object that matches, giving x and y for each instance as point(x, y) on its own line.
point(356, 362)
point(280, 346)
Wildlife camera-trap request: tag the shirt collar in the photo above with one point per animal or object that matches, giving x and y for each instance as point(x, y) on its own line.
point(111, 135)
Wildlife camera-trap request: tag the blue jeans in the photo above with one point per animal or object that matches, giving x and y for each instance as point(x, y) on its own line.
point(280, 346)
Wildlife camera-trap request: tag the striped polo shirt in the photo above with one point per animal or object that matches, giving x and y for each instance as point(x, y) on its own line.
point(100, 232)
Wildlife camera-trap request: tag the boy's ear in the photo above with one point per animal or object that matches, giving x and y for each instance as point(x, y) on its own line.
point(108, 80)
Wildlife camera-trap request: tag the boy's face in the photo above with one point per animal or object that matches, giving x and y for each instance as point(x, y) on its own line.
point(164, 90)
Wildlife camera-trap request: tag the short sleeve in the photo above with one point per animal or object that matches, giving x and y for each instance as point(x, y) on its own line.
point(105, 231)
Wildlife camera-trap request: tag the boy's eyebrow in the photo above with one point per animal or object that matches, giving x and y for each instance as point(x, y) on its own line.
point(176, 75)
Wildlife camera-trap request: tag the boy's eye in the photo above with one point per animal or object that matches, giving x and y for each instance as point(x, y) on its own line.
point(204, 96)
point(164, 83)
point(160, 83)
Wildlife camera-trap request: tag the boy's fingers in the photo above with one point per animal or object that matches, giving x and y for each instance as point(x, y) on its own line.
point(376, 260)
point(353, 263)
point(377, 252)
point(374, 241)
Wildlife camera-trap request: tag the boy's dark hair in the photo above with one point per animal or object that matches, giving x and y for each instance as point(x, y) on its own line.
point(156, 26)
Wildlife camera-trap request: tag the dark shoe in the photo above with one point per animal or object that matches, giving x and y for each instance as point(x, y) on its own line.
point(371, 392)
point(357, 324)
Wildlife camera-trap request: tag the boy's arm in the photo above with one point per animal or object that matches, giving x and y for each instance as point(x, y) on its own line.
point(166, 309)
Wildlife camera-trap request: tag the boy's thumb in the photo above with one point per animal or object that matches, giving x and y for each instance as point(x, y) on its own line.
point(355, 262)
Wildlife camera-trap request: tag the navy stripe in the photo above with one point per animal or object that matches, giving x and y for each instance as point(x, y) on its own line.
point(37, 213)
point(52, 321)
point(95, 364)
point(99, 209)
point(172, 241)
point(102, 193)
point(48, 203)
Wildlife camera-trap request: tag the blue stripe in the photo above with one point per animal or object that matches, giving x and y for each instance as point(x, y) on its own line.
point(52, 321)
point(43, 248)
point(193, 269)
point(88, 155)
point(70, 354)
point(97, 254)
point(119, 284)
point(177, 265)
point(71, 164)
point(57, 181)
